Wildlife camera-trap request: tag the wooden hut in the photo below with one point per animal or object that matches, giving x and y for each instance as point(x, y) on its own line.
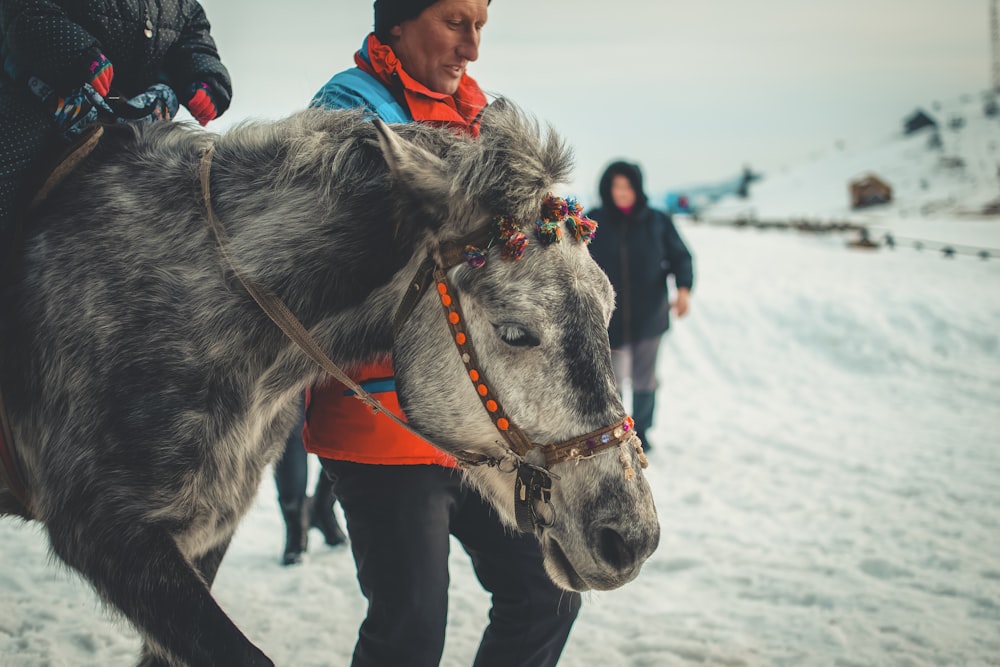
point(869, 190)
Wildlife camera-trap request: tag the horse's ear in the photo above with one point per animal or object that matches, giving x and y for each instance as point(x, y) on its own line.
point(416, 169)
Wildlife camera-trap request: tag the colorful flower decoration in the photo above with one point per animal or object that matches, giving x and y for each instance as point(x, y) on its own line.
point(583, 228)
point(474, 256)
point(548, 231)
point(554, 209)
point(556, 212)
point(513, 247)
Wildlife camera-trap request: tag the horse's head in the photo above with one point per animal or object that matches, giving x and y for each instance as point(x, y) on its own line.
point(505, 360)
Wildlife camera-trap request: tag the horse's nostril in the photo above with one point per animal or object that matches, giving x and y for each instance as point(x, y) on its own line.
point(613, 549)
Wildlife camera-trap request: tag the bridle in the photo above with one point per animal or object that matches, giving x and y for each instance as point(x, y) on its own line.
point(532, 483)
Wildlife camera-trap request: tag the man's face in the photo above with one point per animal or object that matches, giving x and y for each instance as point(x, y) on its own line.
point(437, 45)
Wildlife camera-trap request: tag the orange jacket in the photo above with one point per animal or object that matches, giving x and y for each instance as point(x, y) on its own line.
point(339, 426)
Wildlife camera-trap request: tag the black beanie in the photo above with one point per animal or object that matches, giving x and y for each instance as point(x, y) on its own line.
point(389, 13)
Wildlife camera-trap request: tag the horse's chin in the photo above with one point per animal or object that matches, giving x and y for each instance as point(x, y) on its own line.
point(559, 567)
point(568, 576)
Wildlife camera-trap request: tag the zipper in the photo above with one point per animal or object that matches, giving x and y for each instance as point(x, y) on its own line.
point(626, 302)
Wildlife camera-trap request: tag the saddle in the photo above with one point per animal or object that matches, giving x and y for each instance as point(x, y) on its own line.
point(15, 497)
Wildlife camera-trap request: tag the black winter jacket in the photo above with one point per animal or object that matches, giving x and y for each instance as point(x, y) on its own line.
point(638, 251)
point(147, 41)
point(46, 49)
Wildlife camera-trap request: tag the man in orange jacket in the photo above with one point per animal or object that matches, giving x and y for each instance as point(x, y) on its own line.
point(403, 498)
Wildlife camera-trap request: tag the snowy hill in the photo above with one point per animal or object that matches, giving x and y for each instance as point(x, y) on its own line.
point(951, 170)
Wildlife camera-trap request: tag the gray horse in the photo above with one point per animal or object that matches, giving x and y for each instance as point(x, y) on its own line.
point(147, 391)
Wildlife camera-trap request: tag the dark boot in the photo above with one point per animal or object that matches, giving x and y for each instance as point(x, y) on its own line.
point(321, 512)
point(643, 403)
point(296, 531)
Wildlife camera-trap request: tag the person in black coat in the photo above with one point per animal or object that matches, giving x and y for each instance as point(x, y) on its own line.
point(68, 63)
point(638, 247)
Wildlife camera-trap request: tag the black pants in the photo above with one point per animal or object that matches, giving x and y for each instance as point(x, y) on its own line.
point(399, 519)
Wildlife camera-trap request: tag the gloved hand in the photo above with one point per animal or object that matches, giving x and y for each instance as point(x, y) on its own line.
point(208, 98)
point(158, 102)
point(201, 104)
point(83, 107)
point(102, 72)
point(77, 111)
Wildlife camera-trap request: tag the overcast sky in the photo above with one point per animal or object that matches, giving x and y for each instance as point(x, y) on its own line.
point(691, 89)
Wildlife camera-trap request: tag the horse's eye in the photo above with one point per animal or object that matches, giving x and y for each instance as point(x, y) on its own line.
point(516, 335)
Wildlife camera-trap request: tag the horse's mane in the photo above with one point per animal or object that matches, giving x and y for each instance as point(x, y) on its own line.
point(504, 170)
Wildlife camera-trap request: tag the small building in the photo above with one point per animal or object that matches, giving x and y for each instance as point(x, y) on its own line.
point(918, 120)
point(869, 190)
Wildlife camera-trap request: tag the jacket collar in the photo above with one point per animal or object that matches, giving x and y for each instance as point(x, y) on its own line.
point(461, 110)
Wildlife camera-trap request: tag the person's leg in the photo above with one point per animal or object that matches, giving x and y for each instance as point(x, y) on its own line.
point(531, 617)
point(644, 385)
point(321, 511)
point(291, 474)
point(397, 519)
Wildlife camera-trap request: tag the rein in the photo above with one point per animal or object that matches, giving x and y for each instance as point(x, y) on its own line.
point(532, 483)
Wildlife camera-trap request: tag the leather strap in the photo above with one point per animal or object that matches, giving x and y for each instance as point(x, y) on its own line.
point(516, 439)
point(67, 163)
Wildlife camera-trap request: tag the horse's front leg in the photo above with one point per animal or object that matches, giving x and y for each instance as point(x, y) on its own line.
point(139, 569)
point(208, 564)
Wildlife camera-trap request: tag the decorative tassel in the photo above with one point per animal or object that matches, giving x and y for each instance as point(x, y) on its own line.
point(626, 460)
point(514, 247)
point(643, 461)
point(548, 231)
point(474, 256)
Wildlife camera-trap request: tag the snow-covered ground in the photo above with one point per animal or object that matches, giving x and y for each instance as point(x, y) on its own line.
point(826, 471)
